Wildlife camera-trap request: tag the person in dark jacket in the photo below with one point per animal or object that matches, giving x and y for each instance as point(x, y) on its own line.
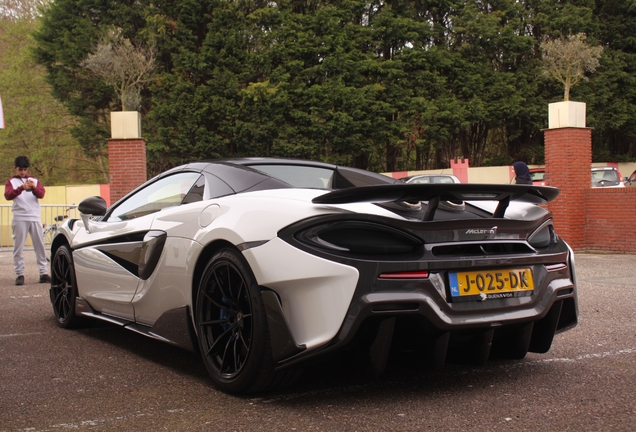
point(26, 191)
point(522, 173)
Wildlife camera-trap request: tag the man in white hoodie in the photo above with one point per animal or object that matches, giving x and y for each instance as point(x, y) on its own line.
point(25, 192)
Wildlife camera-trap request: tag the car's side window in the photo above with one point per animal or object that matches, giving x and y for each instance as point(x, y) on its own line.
point(196, 192)
point(166, 192)
point(422, 180)
point(443, 180)
point(214, 187)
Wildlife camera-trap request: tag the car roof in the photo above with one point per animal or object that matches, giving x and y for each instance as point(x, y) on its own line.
point(242, 174)
point(344, 176)
point(276, 161)
point(604, 168)
point(425, 175)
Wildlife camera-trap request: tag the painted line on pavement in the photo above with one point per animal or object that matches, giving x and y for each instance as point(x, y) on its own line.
point(20, 334)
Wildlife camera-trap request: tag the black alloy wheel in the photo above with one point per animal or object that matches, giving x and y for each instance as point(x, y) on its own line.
point(232, 326)
point(64, 288)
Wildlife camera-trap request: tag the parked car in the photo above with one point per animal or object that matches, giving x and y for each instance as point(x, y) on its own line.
point(431, 179)
point(537, 175)
point(262, 265)
point(607, 177)
point(601, 177)
point(437, 179)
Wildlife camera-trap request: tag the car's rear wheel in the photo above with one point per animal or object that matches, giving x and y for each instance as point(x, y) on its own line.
point(64, 288)
point(232, 326)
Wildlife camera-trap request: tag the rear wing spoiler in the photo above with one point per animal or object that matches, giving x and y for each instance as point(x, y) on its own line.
point(435, 193)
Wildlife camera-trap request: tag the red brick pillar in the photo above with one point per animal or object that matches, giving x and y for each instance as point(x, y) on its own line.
point(127, 165)
point(568, 156)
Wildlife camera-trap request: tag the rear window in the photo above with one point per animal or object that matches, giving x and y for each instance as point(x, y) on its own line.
point(605, 176)
point(610, 175)
point(299, 176)
point(426, 179)
point(537, 176)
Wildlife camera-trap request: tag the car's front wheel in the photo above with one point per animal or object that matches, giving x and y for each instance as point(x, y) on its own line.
point(232, 326)
point(64, 288)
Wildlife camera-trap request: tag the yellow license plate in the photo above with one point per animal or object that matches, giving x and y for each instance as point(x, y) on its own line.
point(493, 283)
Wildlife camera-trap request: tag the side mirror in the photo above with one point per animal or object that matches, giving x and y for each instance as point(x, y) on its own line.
point(93, 206)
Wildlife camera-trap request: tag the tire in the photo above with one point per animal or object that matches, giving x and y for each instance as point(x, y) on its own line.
point(232, 326)
point(64, 289)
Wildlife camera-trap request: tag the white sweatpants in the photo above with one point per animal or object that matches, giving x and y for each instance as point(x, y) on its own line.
point(20, 231)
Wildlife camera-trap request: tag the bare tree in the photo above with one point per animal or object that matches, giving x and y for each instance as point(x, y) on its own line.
point(568, 59)
point(124, 66)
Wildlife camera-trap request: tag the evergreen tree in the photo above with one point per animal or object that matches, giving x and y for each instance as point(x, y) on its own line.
point(610, 93)
point(385, 85)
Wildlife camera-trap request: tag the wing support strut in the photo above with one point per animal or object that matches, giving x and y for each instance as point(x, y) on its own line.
point(431, 208)
point(501, 208)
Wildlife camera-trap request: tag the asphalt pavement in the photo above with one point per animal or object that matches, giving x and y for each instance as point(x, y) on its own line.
point(103, 378)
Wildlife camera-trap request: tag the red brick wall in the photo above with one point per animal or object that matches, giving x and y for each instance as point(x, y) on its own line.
point(590, 220)
point(609, 220)
point(127, 165)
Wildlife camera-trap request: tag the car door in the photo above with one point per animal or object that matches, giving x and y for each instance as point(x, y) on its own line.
point(107, 255)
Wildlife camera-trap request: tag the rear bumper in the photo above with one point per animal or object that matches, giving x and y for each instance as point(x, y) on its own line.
point(424, 312)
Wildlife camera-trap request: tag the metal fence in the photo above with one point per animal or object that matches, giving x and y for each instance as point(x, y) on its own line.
point(52, 216)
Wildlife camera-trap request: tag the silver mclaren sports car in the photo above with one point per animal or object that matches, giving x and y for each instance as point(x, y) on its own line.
point(264, 264)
